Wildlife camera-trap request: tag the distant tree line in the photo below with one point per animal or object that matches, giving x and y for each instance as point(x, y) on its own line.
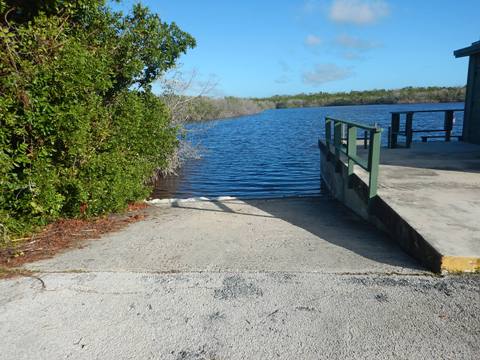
point(407, 95)
point(202, 108)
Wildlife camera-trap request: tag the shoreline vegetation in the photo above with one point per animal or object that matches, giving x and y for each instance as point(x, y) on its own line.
point(205, 108)
point(81, 132)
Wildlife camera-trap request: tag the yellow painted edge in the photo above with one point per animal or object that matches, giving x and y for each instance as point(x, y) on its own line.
point(460, 264)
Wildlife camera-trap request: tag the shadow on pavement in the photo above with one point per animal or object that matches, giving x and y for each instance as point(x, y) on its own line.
point(325, 218)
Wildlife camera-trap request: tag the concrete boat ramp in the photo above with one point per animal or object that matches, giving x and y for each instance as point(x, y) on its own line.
point(262, 279)
point(435, 187)
point(428, 200)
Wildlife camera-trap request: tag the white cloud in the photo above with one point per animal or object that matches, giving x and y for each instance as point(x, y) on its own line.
point(323, 73)
point(353, 48)
point(356, 43)
point(312, 40)
point(360, 12)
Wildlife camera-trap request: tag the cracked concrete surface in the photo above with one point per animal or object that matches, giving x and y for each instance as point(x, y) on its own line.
point(263, 279)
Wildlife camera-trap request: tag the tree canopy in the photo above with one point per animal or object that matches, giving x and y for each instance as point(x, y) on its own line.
point(80, 130)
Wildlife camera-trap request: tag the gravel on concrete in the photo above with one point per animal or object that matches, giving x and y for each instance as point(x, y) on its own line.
point(263, 279)
point(280, 315)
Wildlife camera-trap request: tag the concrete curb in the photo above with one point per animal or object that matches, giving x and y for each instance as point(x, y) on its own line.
point(353, 193)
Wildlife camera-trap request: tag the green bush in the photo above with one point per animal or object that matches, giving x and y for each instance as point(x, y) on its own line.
point(80, 130)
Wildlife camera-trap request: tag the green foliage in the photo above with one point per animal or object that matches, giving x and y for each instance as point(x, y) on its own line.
point(433, 94)
point(80, 130)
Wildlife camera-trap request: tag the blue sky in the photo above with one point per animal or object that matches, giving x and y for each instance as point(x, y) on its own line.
point(267, 47)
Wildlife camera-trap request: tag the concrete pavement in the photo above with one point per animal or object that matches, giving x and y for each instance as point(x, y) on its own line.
point(305, 234)
point(435, 187)
point(262, 279)
point(428, 200)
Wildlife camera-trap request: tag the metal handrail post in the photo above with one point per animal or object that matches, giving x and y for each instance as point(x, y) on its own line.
point(409, 129)
point(395, 128)
point(328, 131)
point(351, 147)
point(337, 142)
point(374, 162)
point(448, 124)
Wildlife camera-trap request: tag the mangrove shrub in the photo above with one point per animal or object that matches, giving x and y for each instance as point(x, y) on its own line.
point(80, 130)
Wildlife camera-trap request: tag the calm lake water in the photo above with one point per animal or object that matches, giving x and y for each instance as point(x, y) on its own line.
point(275, 153)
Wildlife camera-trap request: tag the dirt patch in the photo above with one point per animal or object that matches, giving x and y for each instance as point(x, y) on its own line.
point(381, 297)
point(64, 234)
point(202, 353)
point(216, 316)
point(305, 308)
point(235, 287)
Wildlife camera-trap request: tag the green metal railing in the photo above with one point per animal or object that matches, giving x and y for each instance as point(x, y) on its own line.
point(348, 144)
